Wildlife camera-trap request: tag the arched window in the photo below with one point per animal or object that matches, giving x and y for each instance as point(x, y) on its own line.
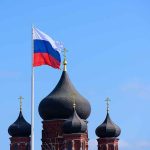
point(83, 145)
point(28, 146)
point(111, 147)
point(69, 146)
point(16, 147)
point(116, 147)
point(104, 147)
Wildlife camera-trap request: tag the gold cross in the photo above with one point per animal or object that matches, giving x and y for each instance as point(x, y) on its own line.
point(64, 52)
point(107, 103)
point(20, 98)
point(65, 61)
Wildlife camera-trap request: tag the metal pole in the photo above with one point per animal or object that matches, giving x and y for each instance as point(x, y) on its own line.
point(32, 98)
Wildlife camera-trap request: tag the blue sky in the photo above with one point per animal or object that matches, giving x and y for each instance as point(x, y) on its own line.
point(108, 46)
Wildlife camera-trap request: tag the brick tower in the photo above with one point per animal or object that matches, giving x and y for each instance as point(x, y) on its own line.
point(75, 133)
point(20, 132)
point(108, 133)
point(56, 108)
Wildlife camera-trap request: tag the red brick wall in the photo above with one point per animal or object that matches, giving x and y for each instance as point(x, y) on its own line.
point(76, 141)
point(52, 134)
point(107, 143)
point(20, 143)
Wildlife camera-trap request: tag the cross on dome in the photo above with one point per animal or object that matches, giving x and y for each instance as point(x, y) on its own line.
point(65, 61)
point(20, 98)
point(107, 103)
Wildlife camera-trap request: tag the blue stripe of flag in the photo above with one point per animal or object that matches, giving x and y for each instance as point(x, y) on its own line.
point(42, 46)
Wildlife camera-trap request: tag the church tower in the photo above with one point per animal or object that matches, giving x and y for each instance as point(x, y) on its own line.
point(56, 108)
point(108, 133)
point(20, 132)
point(75, 132)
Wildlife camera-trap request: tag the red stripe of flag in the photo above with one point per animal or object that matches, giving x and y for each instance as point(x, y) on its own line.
point(45, 59)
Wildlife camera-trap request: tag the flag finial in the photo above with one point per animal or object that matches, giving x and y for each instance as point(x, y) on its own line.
point(65, 61)
point(20, 98)
point(107, 103)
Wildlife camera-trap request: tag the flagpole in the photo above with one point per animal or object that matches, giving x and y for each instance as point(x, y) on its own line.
point(32, 97)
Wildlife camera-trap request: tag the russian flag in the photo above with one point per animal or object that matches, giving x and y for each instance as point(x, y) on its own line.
point(46, 50)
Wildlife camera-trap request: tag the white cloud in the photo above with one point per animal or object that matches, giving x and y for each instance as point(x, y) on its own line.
point(137, 88)
point(143, 144)
point(138, 145)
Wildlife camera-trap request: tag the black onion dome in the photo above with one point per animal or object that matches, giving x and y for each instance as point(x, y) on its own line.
point(74, 124)
point(58, 104)
point(108, 129)
point(20, 128)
